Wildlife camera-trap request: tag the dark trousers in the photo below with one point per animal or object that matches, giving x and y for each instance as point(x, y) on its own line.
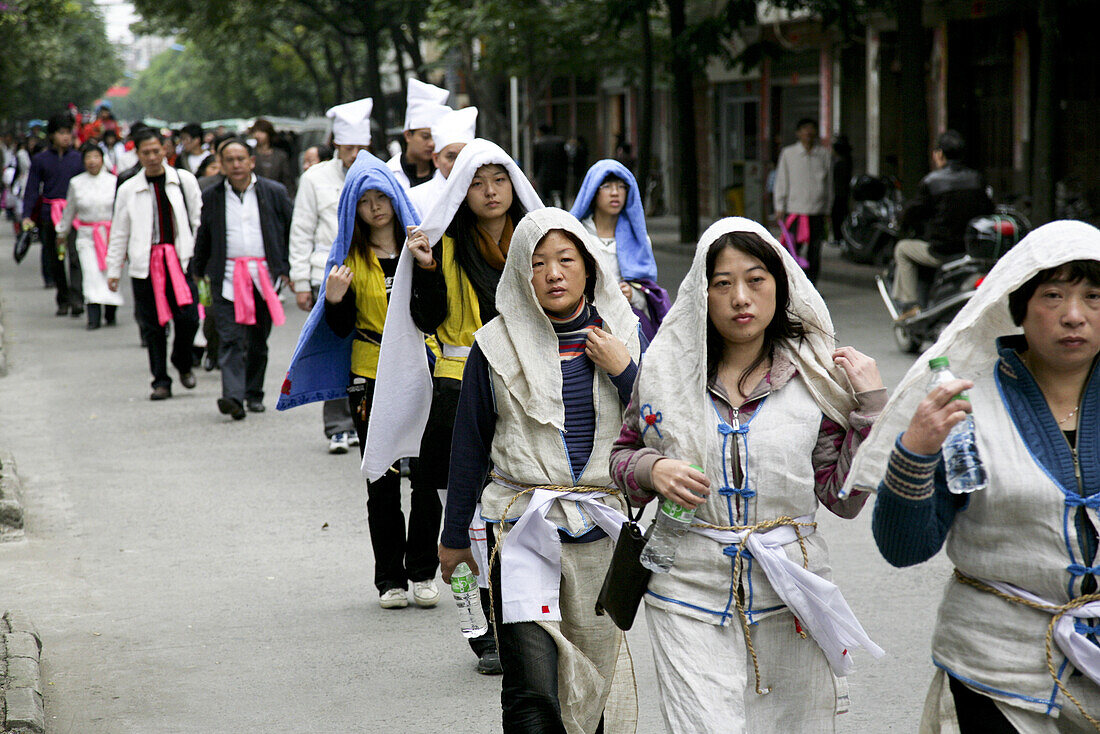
point(210, 332)
point(97, 313)
point(185, 320)
point(978, 714)
point(813, 248)
point(529, 657)
point(242, 348)
point(399, 556)
point(70, 290)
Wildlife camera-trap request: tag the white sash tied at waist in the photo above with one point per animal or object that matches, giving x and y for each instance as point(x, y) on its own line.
point(816, 602)
point(451, 351)
point(530, 560)
point(1074, 644)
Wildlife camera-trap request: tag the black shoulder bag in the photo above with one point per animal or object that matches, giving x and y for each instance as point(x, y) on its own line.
point(627, 579)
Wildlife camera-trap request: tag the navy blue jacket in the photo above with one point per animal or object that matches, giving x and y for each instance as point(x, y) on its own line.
point(49, 178)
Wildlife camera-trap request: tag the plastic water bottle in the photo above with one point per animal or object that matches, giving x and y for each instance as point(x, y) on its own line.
point(965, 472)
point(468, 600)
point(659, 553)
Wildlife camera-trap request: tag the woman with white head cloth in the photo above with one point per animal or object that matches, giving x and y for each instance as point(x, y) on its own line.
point(1015, 638)
point(445, 287)
point(553, 370)
point(745, 411)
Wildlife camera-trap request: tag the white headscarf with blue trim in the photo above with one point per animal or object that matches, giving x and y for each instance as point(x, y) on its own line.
point(632, 247)
point(672, 379)
point(321, 362)
point(970, 339)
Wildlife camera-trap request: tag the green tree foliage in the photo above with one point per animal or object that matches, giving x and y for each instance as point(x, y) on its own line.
point(202, 82)
point(54, 52)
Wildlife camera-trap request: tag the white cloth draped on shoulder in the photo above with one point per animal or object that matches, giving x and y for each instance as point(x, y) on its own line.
point(674, 376)
point(970, 339)
point(403, 392)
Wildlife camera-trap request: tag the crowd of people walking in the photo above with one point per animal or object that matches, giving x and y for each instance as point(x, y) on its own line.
point(525, 368)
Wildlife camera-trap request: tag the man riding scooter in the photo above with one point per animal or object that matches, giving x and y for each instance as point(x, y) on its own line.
point(947, 198)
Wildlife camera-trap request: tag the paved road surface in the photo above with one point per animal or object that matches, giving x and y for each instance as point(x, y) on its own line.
point(190, 574)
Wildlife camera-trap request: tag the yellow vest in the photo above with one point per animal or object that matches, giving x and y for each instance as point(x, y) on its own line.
point(463, 313)
point(369, 283)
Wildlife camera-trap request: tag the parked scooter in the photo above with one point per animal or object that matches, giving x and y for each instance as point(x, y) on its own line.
point(944, 290)
point(869, 232)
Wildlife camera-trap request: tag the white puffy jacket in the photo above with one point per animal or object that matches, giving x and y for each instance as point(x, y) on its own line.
point(313, 226)
point(132, 223)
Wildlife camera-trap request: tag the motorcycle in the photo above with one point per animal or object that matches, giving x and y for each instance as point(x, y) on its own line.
point(869, 232)
point(945, 289)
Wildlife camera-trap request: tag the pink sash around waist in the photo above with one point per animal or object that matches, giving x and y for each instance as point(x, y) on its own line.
point(57, 209)
point(164, 265)
point(244, 302)
point(101, 233)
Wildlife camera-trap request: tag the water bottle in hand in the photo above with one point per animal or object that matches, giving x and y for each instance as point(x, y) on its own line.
point(659, 553)
point(965, 472)
point(468, 599)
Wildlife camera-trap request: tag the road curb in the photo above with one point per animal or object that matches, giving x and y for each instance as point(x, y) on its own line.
point(21, 699)
point(3, 359)
point(11, 509)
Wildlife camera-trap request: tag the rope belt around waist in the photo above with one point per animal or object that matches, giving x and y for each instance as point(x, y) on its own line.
point(530, 565)
point(368, 336)
point(1063, 630)
point(816, 602)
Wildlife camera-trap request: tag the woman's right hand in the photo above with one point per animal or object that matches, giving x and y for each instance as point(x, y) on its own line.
point(339, 280)
point(420, 247)
point(680, 482)
point(936, 415)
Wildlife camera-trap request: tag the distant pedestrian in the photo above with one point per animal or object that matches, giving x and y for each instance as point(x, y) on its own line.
point(310, 157)
point(842, 176)
point(609, 206)
point(550, 166)
point(272, 162)
point(43, 203)
point(156, 215)
point(241, 246)
point(192, 152)
point(424, 105)
point(804, 192)
point(313, 230)
point(88, 210)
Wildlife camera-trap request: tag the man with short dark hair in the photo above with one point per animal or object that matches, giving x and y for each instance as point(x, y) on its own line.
point(192, 153)
point(156, 214)
point(242, 247)
point(947, 199)
point(43, 204)
point(804, 192)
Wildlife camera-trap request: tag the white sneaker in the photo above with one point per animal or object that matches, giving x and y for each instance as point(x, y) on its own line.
point(394, 599)
point(353, 439)
point(425, 594)
point(338, 444)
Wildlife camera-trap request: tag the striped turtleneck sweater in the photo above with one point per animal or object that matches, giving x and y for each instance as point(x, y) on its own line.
point(475, 421)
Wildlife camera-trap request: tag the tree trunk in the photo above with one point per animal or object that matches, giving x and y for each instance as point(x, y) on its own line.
point(911, 88)
point(374, 80)
point(645, 112)
point(683, 93)
point(1042, 177)
point(335, 73)
point(399, 56)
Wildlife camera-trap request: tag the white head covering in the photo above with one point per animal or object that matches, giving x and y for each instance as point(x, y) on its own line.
point(523, 324)
point(673, 375)
point(403, 391)
point(424, 104)
point(351, 122)
point(970, 339)
point(457, 126)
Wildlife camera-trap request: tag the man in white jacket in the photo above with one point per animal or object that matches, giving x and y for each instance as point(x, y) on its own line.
point(155, 218)
point(313, 230)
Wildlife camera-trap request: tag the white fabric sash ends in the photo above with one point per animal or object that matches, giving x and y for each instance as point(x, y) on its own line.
point(1084, 655)
point(816, 602)
point(530, 560)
